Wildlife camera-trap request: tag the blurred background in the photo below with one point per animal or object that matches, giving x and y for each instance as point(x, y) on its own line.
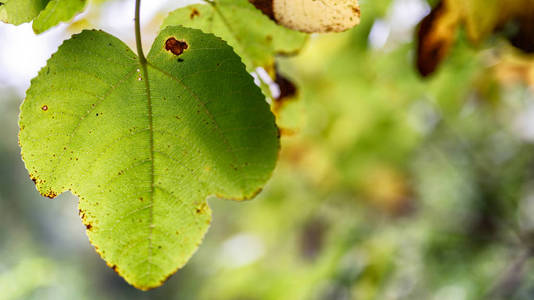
point(390, 185)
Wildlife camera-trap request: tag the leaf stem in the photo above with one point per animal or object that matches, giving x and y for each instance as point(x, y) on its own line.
point(138, 42)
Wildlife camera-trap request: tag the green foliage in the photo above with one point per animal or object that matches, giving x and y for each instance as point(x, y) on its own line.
point(143, 153)
point(44, 13)
point(388, 186)
point(57, 11)
point(20, 11)
point(253, 35)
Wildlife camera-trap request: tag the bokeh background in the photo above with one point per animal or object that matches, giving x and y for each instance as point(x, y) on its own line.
point(389, 185)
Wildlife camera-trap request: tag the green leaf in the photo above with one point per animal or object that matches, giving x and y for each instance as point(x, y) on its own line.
point(253, 35)
point(55, 12)
point(20, 11)
point(142, 154)
point(44, 13)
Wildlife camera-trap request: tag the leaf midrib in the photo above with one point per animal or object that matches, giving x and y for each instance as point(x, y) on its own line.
point(143, 62)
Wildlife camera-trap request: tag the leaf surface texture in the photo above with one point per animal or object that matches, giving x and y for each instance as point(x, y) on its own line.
point(44, 13)
point(143, 158)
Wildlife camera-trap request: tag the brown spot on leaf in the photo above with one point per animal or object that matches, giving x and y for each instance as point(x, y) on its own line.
point(202, 208)
point(85, 221)
point(266, 7)
point(50, 194)
point(194, 13)
point(112, 266)
point(44, 107)
point(356, 10)
point(175, 46)
point(287, 87)
point(288, 91)
point(81, 213)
